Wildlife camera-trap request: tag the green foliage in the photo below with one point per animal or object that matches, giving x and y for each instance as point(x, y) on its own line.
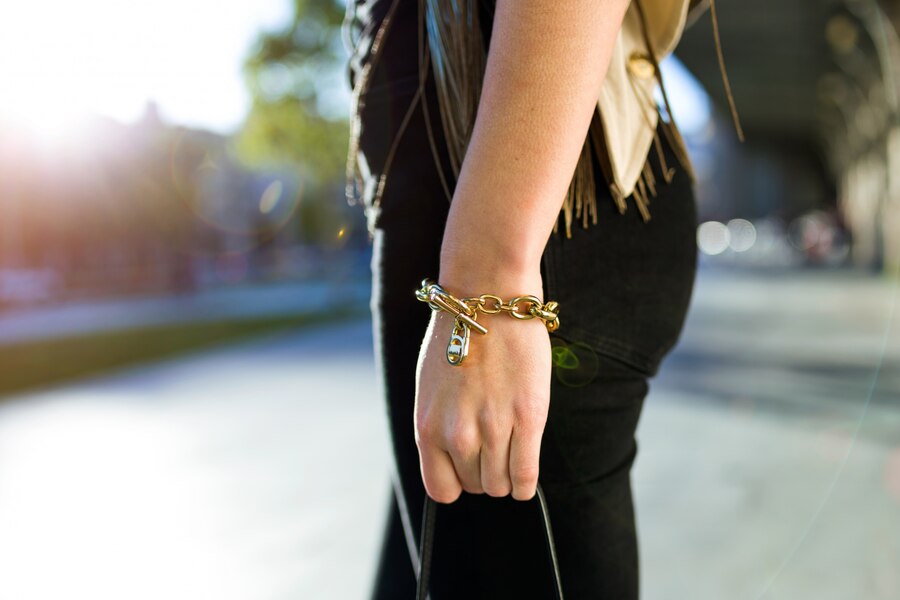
point(294, 75)
point(286, 132)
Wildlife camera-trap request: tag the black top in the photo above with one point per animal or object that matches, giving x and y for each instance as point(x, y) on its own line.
point(399, 63)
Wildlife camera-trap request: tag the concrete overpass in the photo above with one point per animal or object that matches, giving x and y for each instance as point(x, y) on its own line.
point(816, 87)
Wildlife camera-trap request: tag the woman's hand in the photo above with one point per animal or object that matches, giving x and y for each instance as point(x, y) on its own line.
point(479, 424)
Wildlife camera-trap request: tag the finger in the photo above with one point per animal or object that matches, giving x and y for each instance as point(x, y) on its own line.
point(468, 470)
point(524, 458)
point(495, 461)
point(438, 474)
point(464, 447)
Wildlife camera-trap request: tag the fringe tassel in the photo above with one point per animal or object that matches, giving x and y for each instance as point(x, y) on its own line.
point(598, 141)
point(670, 129)
point(668, 172)
point(721, 59)
point(649, 178)
point(641, 199)
point(582, 193)
point(673, 135)
point(618, 197)
point(585, 174)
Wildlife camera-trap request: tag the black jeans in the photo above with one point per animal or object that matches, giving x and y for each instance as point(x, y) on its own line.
point(623, 287)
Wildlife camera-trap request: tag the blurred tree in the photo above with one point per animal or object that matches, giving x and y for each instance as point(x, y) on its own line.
point(294, 76)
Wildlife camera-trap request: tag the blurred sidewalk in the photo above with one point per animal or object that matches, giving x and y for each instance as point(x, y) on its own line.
point(769, 449)
point(244, 302)
point(261, 471)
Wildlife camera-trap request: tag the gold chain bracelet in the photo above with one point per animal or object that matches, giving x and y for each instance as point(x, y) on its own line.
point(466, 311)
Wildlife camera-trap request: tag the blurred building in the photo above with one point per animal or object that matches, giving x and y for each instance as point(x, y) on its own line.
point(146, 207)
point(816, 87)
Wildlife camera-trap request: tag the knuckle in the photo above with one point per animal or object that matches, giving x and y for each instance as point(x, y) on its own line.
point(425, 432)
point(420, 436)
point(463, 439)
point(530, 412)
point(487, 417)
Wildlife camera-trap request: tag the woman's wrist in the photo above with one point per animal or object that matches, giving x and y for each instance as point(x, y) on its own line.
point(476, 271)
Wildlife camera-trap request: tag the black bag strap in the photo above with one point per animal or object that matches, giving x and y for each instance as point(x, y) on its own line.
point(426, 545)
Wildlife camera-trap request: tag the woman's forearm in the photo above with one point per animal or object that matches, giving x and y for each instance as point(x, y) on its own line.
point(546, 63)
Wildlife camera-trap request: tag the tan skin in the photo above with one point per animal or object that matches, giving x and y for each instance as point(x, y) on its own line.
point(478, 426)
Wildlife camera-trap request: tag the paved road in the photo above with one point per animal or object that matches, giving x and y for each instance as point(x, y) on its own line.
point(762, 471)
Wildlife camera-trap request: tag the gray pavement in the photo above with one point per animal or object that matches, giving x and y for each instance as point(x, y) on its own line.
point(251, 472)
point(769, 462)
point(261, 471)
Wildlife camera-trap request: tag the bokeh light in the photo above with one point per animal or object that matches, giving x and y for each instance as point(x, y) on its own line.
point(713, 237)
point(741, 235)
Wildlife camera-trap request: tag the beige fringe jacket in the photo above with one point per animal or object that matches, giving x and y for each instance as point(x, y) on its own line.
point(620, 135)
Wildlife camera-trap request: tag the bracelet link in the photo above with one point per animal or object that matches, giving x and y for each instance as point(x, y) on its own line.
point(466, 311)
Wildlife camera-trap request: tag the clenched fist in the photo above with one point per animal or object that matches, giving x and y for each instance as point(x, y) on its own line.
point(479, 425)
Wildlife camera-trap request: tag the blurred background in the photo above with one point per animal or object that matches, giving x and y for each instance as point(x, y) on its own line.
point(189, 404)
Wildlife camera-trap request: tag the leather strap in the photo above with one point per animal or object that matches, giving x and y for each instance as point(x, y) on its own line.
point(426, 545)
